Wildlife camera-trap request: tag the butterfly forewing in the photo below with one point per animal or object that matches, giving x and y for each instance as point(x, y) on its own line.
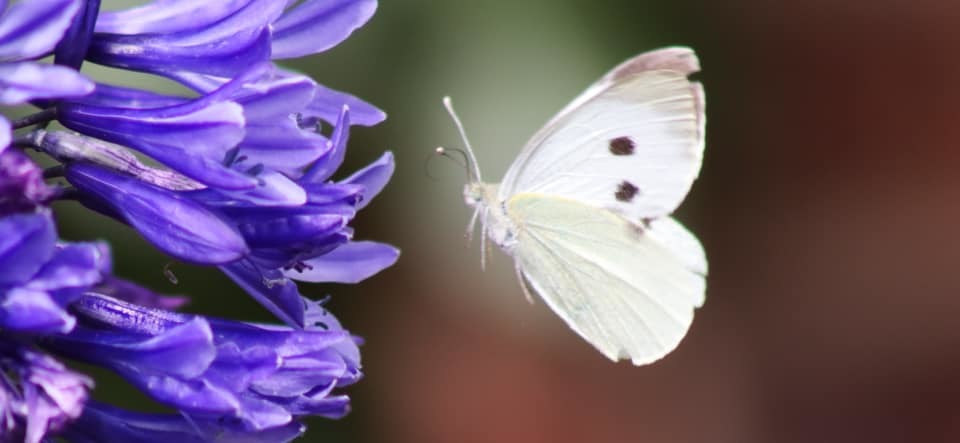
point(631, 143)
point(620, 286)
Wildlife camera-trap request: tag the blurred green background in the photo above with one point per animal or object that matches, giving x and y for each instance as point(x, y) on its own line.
point(828, 206)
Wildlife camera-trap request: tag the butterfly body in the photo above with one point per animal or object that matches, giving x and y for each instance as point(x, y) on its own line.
point(585, 208)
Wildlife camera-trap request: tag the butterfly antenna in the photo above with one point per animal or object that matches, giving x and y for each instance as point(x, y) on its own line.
point(463, 161)
point(471, 158)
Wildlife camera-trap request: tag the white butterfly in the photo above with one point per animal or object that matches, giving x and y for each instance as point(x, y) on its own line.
point(584, 209)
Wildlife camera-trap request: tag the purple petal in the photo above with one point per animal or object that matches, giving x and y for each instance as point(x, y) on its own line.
point(318, 317)
point(317, 25)
point(281, 145)
point(274, 96)
point(327, 104)
point(295, 363)
point(307, 373)
point(165, 354)
point(323, 406)
point(167, 16)
point(76, 41)
point(101, 422)
point(107, 313)
point(274, 190)
point(201, 83)
point(328, 164)
point(264, 230)
point(184, 351)
point(163, 56)
point(190, 396)
point(26, 310)
point(76, 265)
point(27, 241)
point(291, 254)
point(279, 295)
point(236, 368)
point(54, 395)
point(332, 194)
point(70, 147)
point(374, 178)
point(259, 373)
point(286, 342)
point(133, 293)
point(21, 82)
point(261, 413)
point(192, 138)
point(350, 263)
point(173, 223)
point(30, 29)
point(273, 138)
point(122, 97)
point(5, 134)
point(225, 48)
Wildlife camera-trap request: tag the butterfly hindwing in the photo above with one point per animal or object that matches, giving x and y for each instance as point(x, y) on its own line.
point(629, 290)
point(632, 143)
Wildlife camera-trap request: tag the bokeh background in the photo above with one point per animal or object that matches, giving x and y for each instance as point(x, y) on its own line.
point(828, 205)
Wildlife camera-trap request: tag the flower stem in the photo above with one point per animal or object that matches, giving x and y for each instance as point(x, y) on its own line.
point(69, 194)
point(44, 116)
point(54, 172)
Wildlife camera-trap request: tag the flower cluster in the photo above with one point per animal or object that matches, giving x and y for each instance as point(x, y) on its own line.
point(241, 179)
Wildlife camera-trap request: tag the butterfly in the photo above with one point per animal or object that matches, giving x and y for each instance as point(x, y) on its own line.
point(585, 208)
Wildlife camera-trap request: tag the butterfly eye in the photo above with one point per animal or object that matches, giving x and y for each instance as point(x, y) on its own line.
point(621, 146)
point(626, 191)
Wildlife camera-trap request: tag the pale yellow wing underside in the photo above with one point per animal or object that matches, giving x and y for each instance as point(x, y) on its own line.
point(628, 289)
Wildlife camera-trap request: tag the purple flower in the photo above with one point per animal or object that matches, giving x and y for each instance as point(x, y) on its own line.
point(260, 375)
point(177, 225)
point(29, 31)
point(154, 39)
point(39, 395)
point(40, 278)
point(192, 138)
point(22, 188)
point(242, 181)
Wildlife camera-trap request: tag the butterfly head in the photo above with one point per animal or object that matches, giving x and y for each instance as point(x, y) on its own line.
point(478, 194)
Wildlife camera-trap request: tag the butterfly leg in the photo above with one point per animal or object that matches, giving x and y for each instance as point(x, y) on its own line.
point(483, 242)
point(523, 283)
point(473, 224)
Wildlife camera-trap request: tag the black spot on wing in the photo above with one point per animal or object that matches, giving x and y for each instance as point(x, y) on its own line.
point(626, 191)
point(621, 146)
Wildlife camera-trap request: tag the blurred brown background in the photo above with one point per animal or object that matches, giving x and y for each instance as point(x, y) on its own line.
point(828, 206)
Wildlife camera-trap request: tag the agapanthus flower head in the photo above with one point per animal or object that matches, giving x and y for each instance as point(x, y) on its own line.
point(240, 179)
